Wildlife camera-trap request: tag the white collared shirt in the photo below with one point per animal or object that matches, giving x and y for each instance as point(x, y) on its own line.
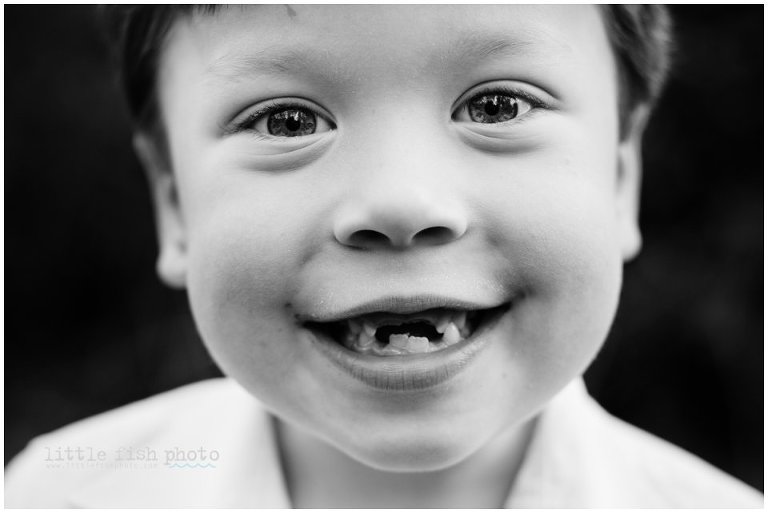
point(211, 444)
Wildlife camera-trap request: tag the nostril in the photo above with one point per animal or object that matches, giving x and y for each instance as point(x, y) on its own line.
point(434, 235)
point(398, 226)
point(431, 236)
point(368, 239)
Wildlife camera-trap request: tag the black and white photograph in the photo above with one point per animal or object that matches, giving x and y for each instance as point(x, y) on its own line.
point(384, 256)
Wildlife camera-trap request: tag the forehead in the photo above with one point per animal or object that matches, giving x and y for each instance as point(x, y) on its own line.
point(350, 42)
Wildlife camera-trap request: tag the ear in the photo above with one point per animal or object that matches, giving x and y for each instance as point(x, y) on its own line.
point(172, 238)
point(628, 180)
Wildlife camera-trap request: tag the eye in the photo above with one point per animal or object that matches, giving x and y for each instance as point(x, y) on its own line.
point(284, 120)
point(291, 122)
point(493, 107)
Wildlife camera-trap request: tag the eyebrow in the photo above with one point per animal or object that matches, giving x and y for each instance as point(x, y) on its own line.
point(474, 46)
point(272, 60)
point(279, 59)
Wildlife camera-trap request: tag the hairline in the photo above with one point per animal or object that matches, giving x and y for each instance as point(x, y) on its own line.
point(633, 89)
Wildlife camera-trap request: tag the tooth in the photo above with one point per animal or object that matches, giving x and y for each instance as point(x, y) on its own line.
point(437, 346)
point(369, 329)
point(418, 344)
point(364, 340)
point(451, 335)
point(442, 323)
point(390, 351)
point(363, 350)
point(350, 340)
point(354, 326)
point(399, 341)
point(460, 319)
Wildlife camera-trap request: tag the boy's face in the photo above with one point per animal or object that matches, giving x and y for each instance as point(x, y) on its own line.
point(335, 161)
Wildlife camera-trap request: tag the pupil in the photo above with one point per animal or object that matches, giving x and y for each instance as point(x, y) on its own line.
point(492, 107)
point(293, 123)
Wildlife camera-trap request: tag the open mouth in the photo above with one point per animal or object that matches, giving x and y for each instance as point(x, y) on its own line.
point(391, 334)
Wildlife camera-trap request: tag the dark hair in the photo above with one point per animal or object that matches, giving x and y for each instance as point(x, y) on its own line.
point(641, 38)
point(639, 34)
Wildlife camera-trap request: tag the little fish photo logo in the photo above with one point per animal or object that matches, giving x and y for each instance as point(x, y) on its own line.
point(72, 457)
point(195, 458)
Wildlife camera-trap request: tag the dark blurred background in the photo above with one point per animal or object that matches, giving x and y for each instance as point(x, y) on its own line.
point(88, 326)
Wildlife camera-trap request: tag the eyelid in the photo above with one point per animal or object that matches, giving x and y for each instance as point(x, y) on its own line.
point(498, 86)
point(248, 116)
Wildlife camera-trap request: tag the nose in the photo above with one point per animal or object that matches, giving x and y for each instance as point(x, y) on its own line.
point(400, 194)
point(398, 218)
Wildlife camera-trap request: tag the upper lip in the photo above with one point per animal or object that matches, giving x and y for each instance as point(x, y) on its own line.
point(398, 305)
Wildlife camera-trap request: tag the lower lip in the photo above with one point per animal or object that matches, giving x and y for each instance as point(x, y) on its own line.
point(406, 373)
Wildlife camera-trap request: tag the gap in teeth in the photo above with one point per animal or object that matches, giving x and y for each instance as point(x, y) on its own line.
point(431, 331)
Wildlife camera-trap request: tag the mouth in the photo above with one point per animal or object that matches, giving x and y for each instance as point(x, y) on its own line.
point(382, 333)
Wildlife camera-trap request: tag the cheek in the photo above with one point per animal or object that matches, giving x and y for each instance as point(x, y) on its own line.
point(239, 283)
point(553, 216)
point(571, 245)
point(559, 241)
point(241, 260)
point(247, 234)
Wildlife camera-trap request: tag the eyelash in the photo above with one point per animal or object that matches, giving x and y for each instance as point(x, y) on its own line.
point(272, 106)
point(534, 101)
point(276, 105)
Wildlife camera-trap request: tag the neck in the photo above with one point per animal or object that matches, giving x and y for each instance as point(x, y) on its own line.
point(320, 476)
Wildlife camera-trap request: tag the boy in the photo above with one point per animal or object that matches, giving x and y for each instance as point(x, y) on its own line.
point(402, 230)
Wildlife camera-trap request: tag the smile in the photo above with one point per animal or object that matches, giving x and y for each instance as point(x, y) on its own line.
point(402, 345)
point(393, 334)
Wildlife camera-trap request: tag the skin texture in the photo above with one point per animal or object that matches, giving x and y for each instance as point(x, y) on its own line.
point(540, 210)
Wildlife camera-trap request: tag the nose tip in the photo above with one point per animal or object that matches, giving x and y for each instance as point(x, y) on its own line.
point(379, 228)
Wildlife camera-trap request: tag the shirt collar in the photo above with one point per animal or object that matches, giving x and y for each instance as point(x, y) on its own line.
point(568, 461)
point(234, 480)
point(554, 473)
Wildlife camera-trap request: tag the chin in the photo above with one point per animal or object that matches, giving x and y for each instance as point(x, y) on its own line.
point(413, 454)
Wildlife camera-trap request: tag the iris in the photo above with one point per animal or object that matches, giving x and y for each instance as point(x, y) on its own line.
point(292, 122)
point(492, 108)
